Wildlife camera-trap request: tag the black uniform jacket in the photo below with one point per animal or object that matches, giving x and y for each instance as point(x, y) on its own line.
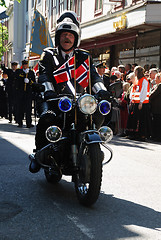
point(155, 100)
point(51, 60)
point(21, 86)
point(12, 77)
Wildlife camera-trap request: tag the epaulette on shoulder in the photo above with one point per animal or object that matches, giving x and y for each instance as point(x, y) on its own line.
point(50, 50)
point(83, 50)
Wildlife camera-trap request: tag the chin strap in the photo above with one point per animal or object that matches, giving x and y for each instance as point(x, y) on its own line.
point(67, 49)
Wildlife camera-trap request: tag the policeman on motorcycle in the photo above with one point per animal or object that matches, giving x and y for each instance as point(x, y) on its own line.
point(67, 40)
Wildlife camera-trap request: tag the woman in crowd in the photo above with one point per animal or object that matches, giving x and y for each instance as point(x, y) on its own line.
point(155, 103)
point(123, 110)
point(130, 78)
point(139, 121)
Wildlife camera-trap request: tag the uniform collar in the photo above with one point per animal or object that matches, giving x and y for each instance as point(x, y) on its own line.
point(69, 54)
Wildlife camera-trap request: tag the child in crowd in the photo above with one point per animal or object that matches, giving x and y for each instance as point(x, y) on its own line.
point(123, 110)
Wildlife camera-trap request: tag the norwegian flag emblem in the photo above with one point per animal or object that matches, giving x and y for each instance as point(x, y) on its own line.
point(66, 72)
point(82, 74)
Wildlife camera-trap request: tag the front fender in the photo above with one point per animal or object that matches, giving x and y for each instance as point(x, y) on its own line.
point(92, 137)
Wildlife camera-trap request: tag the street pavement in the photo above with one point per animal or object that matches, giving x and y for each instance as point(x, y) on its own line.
point(128, 208)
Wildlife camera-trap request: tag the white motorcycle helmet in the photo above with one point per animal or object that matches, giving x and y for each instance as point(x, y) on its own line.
point(68, 22)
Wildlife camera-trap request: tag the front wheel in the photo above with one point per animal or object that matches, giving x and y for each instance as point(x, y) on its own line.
point(89, 177)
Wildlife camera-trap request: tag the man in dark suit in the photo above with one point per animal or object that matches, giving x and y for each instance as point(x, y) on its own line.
point(101, 67)
point(3, 96)
point(25, 80)
point(67, 40)
point(127, 69)
point(10, 88)
point(155, 103)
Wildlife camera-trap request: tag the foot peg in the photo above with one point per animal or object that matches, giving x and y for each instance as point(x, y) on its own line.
point(34, 166)
point(32, 157)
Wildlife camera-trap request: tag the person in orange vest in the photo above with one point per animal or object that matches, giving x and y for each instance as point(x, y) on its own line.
point(139, 120)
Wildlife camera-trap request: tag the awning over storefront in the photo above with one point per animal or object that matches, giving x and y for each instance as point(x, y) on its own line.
point(122, 27)
point(109, 41)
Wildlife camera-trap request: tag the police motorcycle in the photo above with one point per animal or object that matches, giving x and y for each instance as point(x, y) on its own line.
point(74, 148)
point(74, 141)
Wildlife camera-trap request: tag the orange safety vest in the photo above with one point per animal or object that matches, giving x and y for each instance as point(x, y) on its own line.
point(137, 89)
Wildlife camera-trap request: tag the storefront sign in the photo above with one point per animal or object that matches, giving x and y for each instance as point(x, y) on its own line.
point(121, 24)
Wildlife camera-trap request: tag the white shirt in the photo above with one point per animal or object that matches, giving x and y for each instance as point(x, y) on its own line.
point(69, 54)
point(144, 90)
point(26, 70)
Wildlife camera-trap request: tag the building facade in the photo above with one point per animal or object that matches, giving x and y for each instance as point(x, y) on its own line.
point(116, 31)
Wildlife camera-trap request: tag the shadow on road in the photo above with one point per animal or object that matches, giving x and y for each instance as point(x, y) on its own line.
point(13, 128)
point(25, 195)
point(108, 217)
point(118, 141)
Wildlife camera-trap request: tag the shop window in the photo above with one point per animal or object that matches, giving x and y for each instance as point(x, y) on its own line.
point(98, 7)
point(120, 4)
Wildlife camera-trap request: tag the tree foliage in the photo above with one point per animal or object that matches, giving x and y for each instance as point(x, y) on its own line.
point(3, 31)
point(3, 37)
point(3, 2)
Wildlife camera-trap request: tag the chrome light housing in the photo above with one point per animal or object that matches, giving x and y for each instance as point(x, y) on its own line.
point(104, 107)
point(106, 133)
point(65, 104)
point(87, 104)
point(53, 133)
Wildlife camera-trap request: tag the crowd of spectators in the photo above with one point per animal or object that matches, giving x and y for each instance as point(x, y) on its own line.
point(136, 101)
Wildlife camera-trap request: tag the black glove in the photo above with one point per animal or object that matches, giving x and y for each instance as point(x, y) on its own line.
point(49, 95)
point(103, 95)
point(37, 87)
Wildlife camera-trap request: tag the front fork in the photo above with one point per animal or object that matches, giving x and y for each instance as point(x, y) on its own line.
point(74, 149)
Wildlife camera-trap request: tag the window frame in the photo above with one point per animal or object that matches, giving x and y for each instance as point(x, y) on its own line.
point(75, 6)
point(53, 13)
point(32, 3)
point(98, 11)
point(27, 5)
point(120, 6)
point(61, 4)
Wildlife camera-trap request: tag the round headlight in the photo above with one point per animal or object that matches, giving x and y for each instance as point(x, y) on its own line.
point(65, 104)
point(87, 104)
point(104, 107)
point(53, 133)
point(106, 134)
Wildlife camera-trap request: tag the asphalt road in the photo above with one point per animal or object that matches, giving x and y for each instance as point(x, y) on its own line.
point(129, 206)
